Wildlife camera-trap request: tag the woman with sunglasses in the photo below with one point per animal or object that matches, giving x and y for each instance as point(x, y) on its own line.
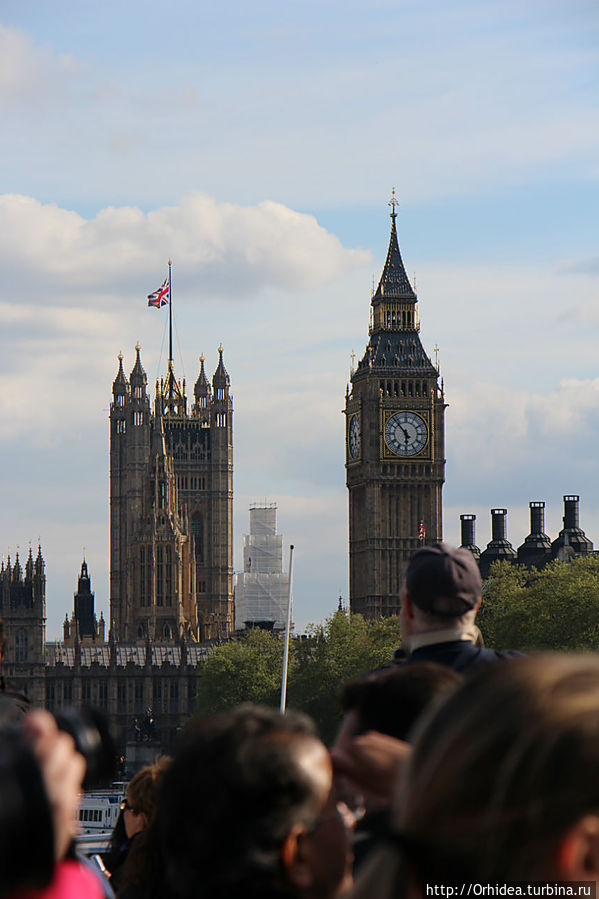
point(137, 811)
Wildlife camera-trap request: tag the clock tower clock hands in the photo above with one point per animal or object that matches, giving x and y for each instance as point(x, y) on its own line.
point(412, 427)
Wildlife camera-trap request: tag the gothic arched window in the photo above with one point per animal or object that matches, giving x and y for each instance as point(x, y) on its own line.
point(21, 646)
point(197, 532)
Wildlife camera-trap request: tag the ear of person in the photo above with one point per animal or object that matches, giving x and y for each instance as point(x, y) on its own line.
point(294, 859)
point(407, 606)
point(578, 852)
point(142, 821)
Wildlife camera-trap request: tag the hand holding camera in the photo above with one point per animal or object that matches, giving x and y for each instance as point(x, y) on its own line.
point(62, 769)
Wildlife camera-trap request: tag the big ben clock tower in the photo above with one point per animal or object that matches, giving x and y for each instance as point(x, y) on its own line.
point(395, 444)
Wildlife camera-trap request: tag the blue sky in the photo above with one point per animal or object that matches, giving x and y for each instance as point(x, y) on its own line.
point(257, 145)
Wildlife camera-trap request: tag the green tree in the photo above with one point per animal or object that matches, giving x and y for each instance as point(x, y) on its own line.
point(244, 670)
point(556, 608)
point(336, 651)
point(249, 669)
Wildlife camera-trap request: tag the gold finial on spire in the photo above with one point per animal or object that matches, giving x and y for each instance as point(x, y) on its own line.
point(221, 348)
point(436, 349)
point(120, 357)
point(393, 202)
point(137, 347)
point(170, 263)
point(202, 358)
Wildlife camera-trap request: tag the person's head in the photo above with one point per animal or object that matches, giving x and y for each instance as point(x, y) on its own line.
point(441, 589)
point(248, 807)
point(503, 782)
point(391, 700)
point(141, 796)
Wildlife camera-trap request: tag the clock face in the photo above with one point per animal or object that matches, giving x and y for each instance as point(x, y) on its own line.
point(406, 433)
point(353, 437)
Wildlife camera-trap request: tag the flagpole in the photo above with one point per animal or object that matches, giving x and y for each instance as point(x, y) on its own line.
point(155, 518)
point(283, 703)
point(170, 318)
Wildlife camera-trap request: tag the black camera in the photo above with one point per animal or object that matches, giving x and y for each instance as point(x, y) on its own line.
point(91, 731)
point(89, 728)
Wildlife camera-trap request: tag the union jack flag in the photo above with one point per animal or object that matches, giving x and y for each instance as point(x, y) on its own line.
point(421, 532)
point(161, 296)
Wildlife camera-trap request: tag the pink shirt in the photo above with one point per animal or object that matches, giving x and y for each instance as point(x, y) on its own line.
point(72, 880)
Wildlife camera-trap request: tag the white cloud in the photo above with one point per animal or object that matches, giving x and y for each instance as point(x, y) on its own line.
point(586, 313)
point(77, 296)
point(236, 249)
point(54, 368)
point(29, 73)
point(502, 427)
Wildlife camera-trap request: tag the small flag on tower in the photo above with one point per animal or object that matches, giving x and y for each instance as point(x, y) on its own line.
point(421, 532)
point(161, 296)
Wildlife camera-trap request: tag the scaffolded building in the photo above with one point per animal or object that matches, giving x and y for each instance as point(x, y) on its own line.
point(261, 591)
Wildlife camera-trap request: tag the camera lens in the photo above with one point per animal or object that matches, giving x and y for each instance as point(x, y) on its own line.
point(90, 729)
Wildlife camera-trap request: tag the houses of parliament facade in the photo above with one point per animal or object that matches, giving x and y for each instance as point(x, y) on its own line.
point(171, 564)
point(171, 533)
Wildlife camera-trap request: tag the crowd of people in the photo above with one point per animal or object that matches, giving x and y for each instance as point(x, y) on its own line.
point(454, 766)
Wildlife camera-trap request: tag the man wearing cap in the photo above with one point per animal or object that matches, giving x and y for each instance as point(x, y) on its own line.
point(440, 596)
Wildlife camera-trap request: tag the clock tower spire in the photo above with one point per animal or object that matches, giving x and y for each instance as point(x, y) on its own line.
point(395, 446)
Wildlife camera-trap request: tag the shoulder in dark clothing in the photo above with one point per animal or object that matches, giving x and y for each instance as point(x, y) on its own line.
point(460, 655)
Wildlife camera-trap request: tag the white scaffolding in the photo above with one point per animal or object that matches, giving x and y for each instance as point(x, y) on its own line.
point(261, 590)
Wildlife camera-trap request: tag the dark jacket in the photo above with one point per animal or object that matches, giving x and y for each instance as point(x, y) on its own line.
point(461, 655)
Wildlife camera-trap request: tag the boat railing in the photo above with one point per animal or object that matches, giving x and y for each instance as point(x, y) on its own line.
point(93, 843)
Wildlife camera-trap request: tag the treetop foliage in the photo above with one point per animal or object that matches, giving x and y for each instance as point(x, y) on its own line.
point(249, 669)
point(554, 609)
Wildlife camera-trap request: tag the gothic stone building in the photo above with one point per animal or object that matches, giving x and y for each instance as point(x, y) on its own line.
point(122, 679)
point(395, 444)
point(171, 553)
point(171, 508)
point(23, 611)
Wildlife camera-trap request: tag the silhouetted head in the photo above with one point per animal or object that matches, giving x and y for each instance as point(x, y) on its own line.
point(247, 808)
point(503, 783)
point(391, 700)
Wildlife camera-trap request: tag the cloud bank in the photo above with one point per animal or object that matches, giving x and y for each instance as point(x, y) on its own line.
point(240, 249)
